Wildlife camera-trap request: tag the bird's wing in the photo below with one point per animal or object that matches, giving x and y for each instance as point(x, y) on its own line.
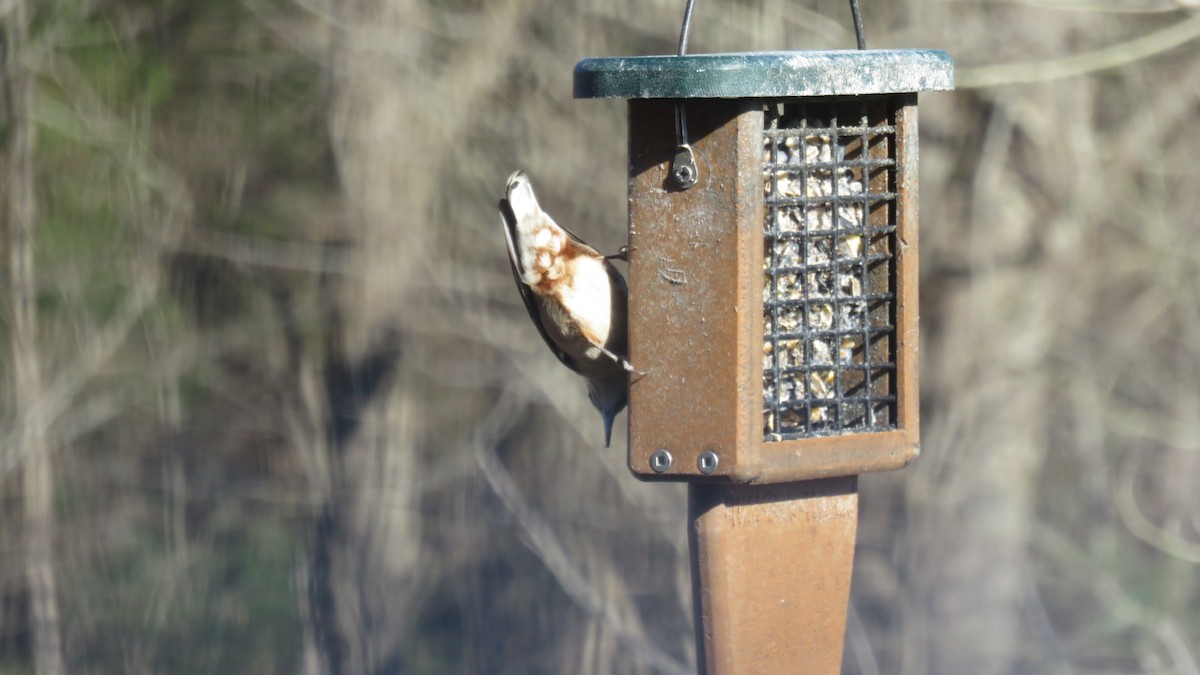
point(510, 224)
point(618, 340)
point(576, 239)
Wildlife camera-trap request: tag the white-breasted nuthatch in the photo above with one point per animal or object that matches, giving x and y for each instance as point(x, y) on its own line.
point(577, 299)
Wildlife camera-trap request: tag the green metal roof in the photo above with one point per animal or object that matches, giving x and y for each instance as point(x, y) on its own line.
point(765, 74)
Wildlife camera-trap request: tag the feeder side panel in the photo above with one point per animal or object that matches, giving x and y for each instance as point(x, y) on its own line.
point(687, 250)
point(908, 321)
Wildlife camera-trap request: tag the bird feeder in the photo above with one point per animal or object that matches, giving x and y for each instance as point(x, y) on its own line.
point(772, 259)
point(772, 320)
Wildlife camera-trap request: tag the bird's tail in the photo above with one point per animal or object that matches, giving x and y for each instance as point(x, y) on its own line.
point(521, 214)
point(538, 246)
point(522, 203)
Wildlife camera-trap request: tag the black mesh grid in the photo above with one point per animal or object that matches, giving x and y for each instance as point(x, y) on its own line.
point(829, 284)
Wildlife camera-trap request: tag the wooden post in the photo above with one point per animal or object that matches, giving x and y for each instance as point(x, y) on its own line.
point(771, 569)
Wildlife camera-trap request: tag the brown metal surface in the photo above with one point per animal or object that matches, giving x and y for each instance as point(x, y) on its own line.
point(771, 575)
point(908, 308)
point(696, 297)
point(689, 250)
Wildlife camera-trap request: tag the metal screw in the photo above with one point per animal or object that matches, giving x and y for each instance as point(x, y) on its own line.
point(661, 460)
point(683, 167)
point(683, 176)
point(707, 462)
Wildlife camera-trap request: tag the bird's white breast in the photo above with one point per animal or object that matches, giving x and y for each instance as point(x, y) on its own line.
point(587, 297)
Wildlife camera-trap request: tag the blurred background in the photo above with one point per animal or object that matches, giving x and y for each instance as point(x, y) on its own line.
point(273, 405)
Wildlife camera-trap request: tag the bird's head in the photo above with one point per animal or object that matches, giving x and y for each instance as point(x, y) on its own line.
point(609, 396)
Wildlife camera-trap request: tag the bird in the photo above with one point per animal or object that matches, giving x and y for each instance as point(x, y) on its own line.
point(576, 297)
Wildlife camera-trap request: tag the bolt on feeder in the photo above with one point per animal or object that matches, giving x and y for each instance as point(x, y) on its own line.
point(772, 259)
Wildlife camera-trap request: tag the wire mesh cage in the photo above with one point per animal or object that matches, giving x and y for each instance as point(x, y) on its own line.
point(772, 294)
point(829, 283)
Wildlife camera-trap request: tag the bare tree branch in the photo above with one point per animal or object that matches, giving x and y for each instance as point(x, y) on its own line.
point(1113, 56)
point(542, 540)
point(24, 356)
point(1140, 526)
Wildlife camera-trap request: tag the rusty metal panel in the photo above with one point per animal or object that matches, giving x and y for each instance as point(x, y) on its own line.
point(771, 575)
point(691, 339)
point(908, 310)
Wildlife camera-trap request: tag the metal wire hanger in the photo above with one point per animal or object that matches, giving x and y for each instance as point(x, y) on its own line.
point(683, 165)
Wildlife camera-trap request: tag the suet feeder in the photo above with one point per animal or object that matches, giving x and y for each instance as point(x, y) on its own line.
point(772, 319)
point(772, 259)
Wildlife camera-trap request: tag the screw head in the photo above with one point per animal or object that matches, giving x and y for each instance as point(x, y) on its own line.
point(707, 462)
point(683, 167)
point(661, 460)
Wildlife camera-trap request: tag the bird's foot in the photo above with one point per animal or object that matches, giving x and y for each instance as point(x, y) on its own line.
point(621, 255)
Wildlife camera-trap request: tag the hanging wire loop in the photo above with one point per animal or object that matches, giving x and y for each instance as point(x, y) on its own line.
point(687, 26)
point(683, 165)
point(860, 35)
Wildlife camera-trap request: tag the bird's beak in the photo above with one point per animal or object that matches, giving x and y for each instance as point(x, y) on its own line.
point(608, 422)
